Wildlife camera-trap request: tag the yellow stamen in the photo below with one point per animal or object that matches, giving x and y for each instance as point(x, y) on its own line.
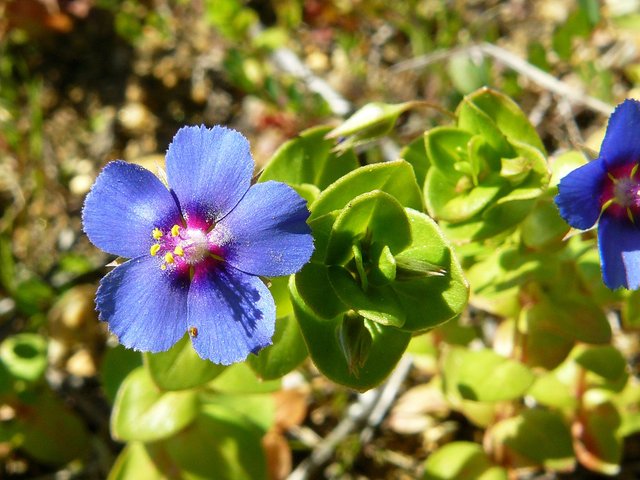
point(169, 257)
point(178, 251)
point(157, 233)
point(175, 230)
point(611, 177)
point(630, 215)
point(634, 170)
point(154, 249)
point(606, 205)
point(163, 267)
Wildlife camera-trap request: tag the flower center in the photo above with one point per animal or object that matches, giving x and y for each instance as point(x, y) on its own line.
point(621, 192)
point(181, 248)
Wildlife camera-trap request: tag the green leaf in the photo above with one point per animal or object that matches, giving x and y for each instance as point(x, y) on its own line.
point(577, 318)
point(314, 288)
point(467, 72)
point(309, 159)
point(504, 113)
point(543, 226)
point(258, 408)
point(287, 352)
point(416, 154)
point(355, 340)
point(288, 349)
point(373, 217)
point(429, 299)
point(604, 360)
point(373, 120)
point(25, 356)
point(180, 367)
point(322, 339)
point(460, 201)
point(378, 304)
point(446, 147)
point(145, 413)
point(485, 376)
point(220, 444)
point(240, 378)
point(461, 461)
point(135, 461)
point(395, 178)
point(550, 391)
point(599, 446)
point(536, 437)
point(564, 164)
point(117, 363)
point(50, 432)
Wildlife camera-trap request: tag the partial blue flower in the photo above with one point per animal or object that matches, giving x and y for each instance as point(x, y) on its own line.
point(607, 190)
point(197, 249)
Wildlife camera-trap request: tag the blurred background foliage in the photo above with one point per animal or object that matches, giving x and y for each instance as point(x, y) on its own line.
point(83, 82)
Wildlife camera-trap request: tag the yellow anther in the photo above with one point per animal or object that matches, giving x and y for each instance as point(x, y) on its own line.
point(178, 251)
point(157, 234)
point(154, 249)
point(163, 267)
point(169, 257)
point(175, 230)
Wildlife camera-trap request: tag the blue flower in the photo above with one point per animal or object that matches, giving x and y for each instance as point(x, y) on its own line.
point(608, 189)
point(196, 248)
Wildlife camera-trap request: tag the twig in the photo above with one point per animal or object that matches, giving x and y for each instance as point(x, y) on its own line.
point(387, 397)
point(540, 77)
point(288, 61)
point(370, 409)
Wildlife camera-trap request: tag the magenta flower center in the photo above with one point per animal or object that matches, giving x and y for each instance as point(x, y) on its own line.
point(181, 248)
point(621, 192)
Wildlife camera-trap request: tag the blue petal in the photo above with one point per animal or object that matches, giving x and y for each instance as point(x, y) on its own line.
point(209, 170)
point(621, 144)
point(123, 207)
point(145, 307)
point(234, 314)
point(579, 192)
point(619, 243)
point(267, 233)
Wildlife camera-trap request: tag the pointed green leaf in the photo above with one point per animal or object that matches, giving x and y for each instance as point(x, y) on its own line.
point(372, 120)
point(430, 300)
